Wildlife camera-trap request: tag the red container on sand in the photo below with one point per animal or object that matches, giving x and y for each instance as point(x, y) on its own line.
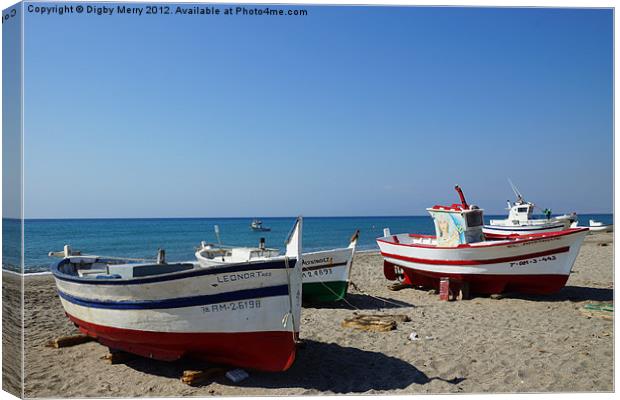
point(444, 289)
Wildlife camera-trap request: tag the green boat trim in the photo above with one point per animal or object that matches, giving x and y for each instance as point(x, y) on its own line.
point(321, 292)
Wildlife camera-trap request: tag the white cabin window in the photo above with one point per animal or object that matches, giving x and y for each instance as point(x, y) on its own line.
point(522, 209)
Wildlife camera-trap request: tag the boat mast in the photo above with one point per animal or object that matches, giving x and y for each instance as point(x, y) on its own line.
point(217, 234)
point(515, 190)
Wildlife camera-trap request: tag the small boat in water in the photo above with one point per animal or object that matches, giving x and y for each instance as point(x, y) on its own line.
point(521, 222)
point(534, 263)
point(242, 313)
point(596, 226)
point(325, 274)
point(257, 225)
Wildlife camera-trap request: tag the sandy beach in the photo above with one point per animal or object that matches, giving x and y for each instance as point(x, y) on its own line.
point(513, 344)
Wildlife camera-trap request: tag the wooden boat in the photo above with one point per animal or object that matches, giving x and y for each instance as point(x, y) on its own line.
point(596, 226)
point(520, 220)
point(534, 263)
point(325, 274)
point(245, 314)
point(257, 225)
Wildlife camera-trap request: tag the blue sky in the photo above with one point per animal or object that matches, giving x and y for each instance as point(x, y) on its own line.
point(345, 111)
point(11, 118)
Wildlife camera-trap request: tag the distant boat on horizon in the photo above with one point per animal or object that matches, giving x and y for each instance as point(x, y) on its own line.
point(257, 225)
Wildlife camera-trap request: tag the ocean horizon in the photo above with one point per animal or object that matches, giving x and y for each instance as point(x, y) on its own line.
point(142, 237)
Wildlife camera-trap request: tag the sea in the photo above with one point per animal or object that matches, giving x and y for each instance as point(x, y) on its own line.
point(179, 237)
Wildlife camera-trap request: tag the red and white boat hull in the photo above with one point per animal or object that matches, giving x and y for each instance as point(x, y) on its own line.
point(235, 322)
point(243, 314)
point(539, 263)
point(268, 351)
point(523, 229)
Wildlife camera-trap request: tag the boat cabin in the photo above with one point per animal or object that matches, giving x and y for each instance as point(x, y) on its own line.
point(456, 225)
point(520, 212)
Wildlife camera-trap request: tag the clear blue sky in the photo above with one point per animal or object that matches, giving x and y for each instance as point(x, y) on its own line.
point(346, 111)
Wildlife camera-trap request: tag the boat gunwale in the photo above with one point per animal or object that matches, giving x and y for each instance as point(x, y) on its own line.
point(522, 225)
point(340, 249)
point(276, 263)
point(506, 241)
point(476, 261)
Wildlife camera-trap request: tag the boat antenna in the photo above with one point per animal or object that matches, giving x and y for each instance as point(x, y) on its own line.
point(216, 228)
point(462, 196)
point(515, 190)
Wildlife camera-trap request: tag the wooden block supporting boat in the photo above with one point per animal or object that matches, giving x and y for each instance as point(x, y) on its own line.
point(398, 286)
point(118, 357)
point(194, 377)
point(463, 292)
point(67, 341)
point(374, 323)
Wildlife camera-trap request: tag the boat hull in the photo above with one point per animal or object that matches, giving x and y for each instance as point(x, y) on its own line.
point(602, 228)
point(325, 275)
point(325, 292)
point(267, 351)
point(482, 283)
point(522, 230)
point(239, 314)
point(538, 264)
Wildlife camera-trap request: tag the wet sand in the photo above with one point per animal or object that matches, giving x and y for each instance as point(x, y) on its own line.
point(513, 344)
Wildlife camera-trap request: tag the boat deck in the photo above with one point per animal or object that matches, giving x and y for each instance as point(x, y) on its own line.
point(92, 267)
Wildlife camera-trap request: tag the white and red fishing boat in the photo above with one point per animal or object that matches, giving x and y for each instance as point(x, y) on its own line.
point(535, 263)
point(245, 314)
point(521, 221)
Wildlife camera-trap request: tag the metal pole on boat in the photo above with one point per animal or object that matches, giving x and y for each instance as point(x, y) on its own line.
point(216, 228)
point(462, 196)
point(161, 256)
point(515, 190)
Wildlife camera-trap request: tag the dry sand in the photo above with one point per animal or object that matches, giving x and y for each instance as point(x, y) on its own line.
point(11, 334)
point(514, 344)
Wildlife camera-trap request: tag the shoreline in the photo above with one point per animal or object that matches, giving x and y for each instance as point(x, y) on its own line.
point(516, 344)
